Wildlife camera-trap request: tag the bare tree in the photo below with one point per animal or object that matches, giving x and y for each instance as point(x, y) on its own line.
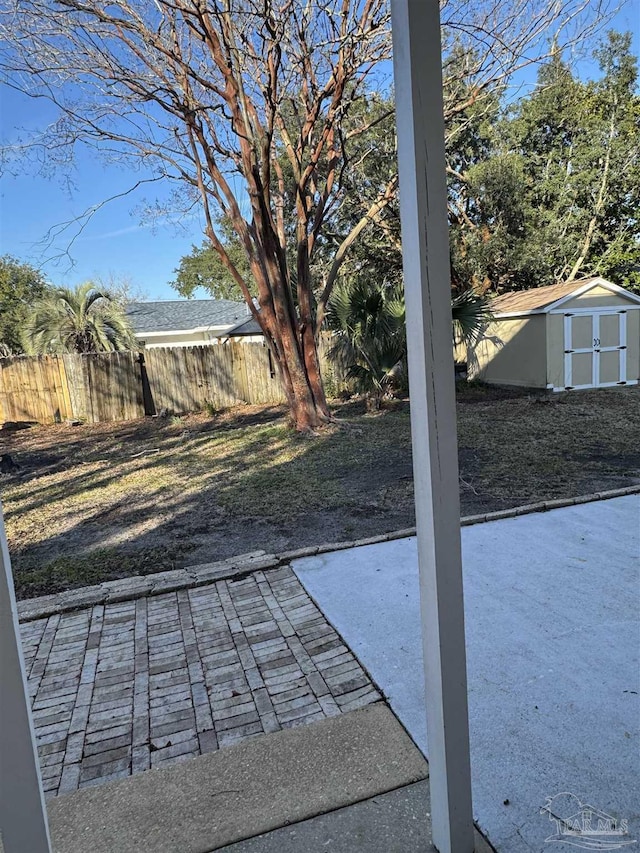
point(233, 99)
point(246, 105)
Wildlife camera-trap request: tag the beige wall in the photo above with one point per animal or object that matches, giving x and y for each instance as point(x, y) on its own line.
point(459, 352)
point(597, 297)
point(182, 339)
point(512, 352)
point(555, 350)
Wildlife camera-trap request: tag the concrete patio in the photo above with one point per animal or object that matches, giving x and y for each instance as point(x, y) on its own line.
point(553, 644)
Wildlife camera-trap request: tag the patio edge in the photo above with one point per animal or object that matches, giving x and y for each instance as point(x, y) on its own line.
point(232, 568)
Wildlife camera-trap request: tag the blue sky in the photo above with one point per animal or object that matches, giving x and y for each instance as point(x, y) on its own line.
point(114, 244)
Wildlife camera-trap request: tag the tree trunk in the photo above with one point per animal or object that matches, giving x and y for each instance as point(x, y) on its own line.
point(294, 350)
point(597, 208)
point(296, 357)
point(290, 337)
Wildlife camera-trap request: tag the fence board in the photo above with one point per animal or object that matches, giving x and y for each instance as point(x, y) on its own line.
point(72, 364)
point(113, 386)
point(63, 385)
point(87, 387)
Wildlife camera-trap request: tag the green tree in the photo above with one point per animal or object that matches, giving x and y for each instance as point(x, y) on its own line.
point(204, 268)
point(78, 320)
point(611, 243)
point(550, 191)
point(20, 285)
point(491, 248)
point(576, 148)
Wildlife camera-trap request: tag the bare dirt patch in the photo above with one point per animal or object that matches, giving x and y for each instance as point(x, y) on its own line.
point(97, 502)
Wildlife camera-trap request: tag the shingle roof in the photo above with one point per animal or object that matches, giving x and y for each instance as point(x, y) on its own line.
point(539, 297)
point(185, 314)
point(249, 327)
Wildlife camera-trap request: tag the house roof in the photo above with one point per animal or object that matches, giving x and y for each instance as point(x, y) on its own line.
point(182, 315)
point(542, 299)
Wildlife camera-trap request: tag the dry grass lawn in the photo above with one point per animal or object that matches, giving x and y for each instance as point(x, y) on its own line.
point(96, 502)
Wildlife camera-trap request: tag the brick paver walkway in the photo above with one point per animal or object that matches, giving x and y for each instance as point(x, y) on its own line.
point(123, 687)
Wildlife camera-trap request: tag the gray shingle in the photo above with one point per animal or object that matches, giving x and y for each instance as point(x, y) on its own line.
point(248, 327)
point(185, 314)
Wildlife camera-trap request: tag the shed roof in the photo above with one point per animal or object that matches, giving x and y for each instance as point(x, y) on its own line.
point(539, 300)
point(181, 315)
point(248, 327)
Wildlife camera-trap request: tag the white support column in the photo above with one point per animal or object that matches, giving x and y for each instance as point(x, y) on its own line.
point(23, 816)
point(425, 246)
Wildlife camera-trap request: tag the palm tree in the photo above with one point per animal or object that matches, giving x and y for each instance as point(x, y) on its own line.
point(370, 342)
point(370, 339)
point(80, 320)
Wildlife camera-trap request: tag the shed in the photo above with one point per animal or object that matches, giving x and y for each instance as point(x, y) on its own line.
point(578, 334)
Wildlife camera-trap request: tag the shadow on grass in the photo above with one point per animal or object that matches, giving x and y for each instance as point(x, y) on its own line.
point(215, 492)
point(223, 486)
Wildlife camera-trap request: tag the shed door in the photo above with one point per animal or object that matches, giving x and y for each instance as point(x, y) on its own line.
point(595, 351)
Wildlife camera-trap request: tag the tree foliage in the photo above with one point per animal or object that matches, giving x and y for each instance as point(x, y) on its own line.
point(540, 190)
point(367, 321)
point(78, 320)
point(203, 268)
point(555, 194)
point(20, 285)
point(470, 314)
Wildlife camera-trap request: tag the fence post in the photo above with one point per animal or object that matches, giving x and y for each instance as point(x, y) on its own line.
point(23, 816)
point(4, 397)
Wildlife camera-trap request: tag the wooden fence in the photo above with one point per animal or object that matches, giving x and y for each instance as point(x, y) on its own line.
point(185, 379)
point(123, 386)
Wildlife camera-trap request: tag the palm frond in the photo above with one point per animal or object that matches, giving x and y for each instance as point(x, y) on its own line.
point(369, 333)
point(471, 314)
